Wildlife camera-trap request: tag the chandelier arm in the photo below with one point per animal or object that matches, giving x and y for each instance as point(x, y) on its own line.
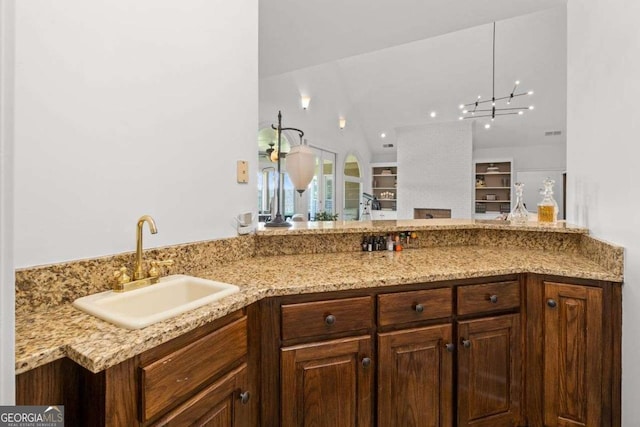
point(514, 108)
point(476, 117)
point(505, 114)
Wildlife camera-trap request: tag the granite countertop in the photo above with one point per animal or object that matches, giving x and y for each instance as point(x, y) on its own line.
point(343, 227)
point(44, 336)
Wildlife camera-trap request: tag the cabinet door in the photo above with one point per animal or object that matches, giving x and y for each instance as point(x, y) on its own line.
point(222, 404)
point(327, 384)
point(573, 346)
point(489, 371)
point(415, 377)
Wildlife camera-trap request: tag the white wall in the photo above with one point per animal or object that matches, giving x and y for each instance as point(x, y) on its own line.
point(129, 108)
point(7, 291)
point(529, 157)
point(435, 168)
point(602, 151)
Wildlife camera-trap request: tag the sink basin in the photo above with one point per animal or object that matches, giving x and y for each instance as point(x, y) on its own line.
point(171, 296)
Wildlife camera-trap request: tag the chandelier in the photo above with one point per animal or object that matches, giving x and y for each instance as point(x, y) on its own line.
point(478, 109)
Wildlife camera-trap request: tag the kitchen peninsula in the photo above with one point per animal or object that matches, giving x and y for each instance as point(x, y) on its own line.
point(474, 323)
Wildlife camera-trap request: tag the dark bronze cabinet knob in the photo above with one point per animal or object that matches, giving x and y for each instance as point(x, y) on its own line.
point(493, 298)
point(450, 347)
point(330, 319)
point(419, 308)
point(552, 303)
point(244, 397)
point(366, 362)
point(466, 343)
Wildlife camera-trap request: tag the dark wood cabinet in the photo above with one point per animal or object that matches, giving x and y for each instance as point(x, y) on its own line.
point(573, 369)
point(205, 377)
point(328, 383)
point(529, 350)
point(415, 377)
point(489, 371)
point(573, 345)
point(225, 403)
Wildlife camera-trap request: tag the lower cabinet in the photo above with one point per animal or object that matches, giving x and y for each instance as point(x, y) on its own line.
point(327, 384)
point(573, 352)
point(222, 404)
point(489, 372)
point(202, 378)
point(573, 346)
point(415, 377)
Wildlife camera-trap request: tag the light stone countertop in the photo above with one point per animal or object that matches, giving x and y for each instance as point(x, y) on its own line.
point(377, 226)
point(44, 336)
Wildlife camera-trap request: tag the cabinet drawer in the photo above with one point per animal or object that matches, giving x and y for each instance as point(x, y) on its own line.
point(488, 297)
point(221, 403)
point(169, 380)
point(407, 307)
point(326, 317)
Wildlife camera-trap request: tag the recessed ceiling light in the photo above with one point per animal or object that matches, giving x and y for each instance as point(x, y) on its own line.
point(487, 126)
point(433, 114)
point(383, 135)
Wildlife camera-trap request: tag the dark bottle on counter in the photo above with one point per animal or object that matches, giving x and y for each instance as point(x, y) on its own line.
point(364, 243)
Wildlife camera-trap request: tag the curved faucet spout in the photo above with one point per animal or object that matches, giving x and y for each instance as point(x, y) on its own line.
point(138, 272)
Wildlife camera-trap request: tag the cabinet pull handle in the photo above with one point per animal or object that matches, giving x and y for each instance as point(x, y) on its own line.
point(450, 347)
point(366, 362)
point(330, 319)
point(244, 397)
point(419, 308)
point(552, 303)
point(182, 380)
point(493, 298)
point(466, 343)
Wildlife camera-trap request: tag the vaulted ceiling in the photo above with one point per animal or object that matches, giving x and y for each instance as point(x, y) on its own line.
point(385, 65)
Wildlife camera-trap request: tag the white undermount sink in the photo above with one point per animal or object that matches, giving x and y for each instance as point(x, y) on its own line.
point(171, 296)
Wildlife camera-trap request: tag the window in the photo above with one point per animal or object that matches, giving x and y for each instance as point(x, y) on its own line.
point(321, 188)
point(352, 188)
point(267, 176)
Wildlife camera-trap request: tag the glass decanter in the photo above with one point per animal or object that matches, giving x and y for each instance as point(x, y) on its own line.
point(548, 208)
point(519, 214)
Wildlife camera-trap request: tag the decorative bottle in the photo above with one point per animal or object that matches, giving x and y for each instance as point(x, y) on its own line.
point(548, 208)
point(519, 214)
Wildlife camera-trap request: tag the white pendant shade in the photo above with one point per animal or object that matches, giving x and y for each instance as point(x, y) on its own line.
point(301, 162)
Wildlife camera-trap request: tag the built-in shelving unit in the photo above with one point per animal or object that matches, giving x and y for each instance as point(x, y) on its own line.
point(492, 195)
point(384, 186)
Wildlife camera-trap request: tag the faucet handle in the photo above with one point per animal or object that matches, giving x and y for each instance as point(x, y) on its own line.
point(154, 271)
point(122, 276)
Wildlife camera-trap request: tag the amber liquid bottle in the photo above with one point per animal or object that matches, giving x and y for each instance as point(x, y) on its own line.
point(548, 208)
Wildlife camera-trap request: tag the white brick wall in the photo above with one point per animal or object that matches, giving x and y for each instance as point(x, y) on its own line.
point(435, 168)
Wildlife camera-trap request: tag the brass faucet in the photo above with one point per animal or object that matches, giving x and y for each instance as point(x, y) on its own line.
point(140, 278)
point(138, 271)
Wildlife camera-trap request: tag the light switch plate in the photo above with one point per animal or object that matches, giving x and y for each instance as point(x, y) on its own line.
point(243, 172)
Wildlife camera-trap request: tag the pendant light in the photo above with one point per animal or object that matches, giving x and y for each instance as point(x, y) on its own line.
point(474, 110)
point(301, 162)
